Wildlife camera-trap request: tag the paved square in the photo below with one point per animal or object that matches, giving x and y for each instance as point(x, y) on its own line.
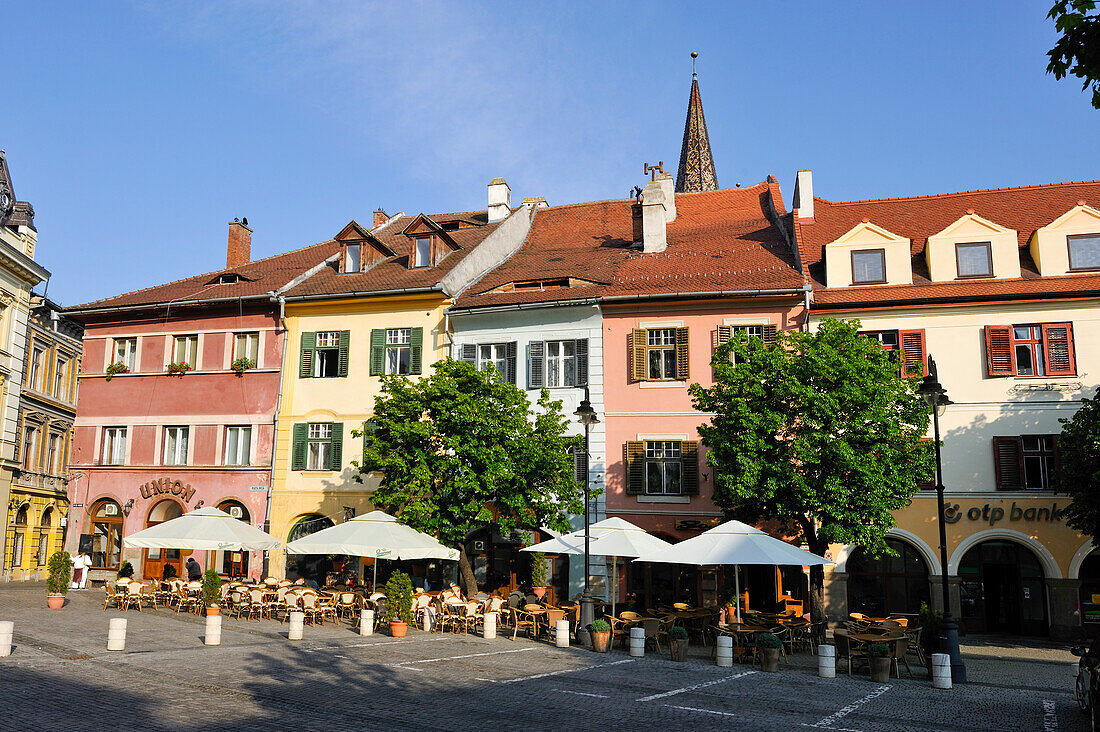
point(61, 675)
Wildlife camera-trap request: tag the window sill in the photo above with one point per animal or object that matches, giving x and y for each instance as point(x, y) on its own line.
point(868, 284)
point(663, 499)
point(669, 384)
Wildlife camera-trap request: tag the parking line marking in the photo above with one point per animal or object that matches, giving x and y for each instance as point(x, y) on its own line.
point(582, 693)
point(703, 711)
point(686, 689)
point(1050, 720)
point(468, 655)
point(828, 722)
point(558, 673)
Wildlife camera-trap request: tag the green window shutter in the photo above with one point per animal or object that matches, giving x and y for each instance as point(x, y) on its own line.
point(342, 363)
point(305, 362)
point(682, 370)
point(416, 358)
point(510, 353)
point(581, 351)
point(337, 446)
point(536, 361)
point(689, 468)
point(377, 351)
point(634, 460)
point(298, 446)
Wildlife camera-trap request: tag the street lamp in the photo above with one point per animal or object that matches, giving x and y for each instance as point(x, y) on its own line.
point(936, 396)
point(587, 416)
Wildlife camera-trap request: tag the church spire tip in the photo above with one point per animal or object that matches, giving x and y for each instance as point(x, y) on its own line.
point(696, 172)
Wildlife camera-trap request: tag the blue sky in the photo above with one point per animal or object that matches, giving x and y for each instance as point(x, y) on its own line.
point(139, 129)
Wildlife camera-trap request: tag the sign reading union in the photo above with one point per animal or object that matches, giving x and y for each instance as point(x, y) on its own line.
point(992, 514)
point(166, 485)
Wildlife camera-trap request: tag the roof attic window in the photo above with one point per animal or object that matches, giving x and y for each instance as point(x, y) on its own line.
point(543, 284)
point(229, 279)
point(1084, 252)
point(449, 226)
point(868, 266)
point(974, 259)
point(351, 258)
point(423, 252)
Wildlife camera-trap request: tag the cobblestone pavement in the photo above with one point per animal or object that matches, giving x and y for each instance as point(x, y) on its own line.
point(60, 674)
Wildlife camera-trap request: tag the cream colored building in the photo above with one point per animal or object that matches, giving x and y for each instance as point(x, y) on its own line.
point(1002, 289)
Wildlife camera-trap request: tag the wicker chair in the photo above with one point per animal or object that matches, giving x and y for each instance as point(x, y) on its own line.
point(523, 620)
point(111, 596)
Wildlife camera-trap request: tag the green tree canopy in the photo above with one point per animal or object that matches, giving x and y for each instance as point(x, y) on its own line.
point(817, 432)
point(1078, 471)
point(1077, 51)
point(462, 450)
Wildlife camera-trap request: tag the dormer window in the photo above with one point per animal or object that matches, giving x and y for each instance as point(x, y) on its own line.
point(974, 259)
point(1084, 252)
point(351, 258)
point(228, 279)
point(868, 266)
point(423, 253)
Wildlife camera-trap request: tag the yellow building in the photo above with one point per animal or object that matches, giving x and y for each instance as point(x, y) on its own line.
point(377, 307)
point(1002, 289)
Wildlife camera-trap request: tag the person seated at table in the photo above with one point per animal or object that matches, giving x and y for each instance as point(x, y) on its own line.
point(169, 572)
point(194, 571)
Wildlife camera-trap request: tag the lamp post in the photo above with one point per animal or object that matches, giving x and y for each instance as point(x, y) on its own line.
point(587, 416)
point(936, 396)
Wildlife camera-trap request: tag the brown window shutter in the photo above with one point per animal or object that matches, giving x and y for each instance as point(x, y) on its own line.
point(639, 369)
point(770, 332)
point(634, 461)
point(1008, 463)
point(682, 369)
point(689, 468)
point(725, 332)
point(915, 350)
point(1058, 343)
point(999, 357)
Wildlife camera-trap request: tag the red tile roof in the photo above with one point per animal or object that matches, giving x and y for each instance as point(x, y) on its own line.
point(1023, 209)
point(720, 241)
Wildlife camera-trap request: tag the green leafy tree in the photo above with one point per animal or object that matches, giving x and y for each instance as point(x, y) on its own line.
point(1078, 471)
point(1077, 51)
point(462, 450)
point(818, 433)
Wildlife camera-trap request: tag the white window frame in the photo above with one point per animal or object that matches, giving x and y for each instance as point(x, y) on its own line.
point(497, 356)
point(398, 342)
point(664, 342)
point(177, 441)
point(190, 350)
point(562, 367)
point(349, 260)
point(55, 447)
point(238, 441)
point(128, 354)
point(61, 377)
point(31, 434)
point(319, 446)
point(327, 341)
point(666, 453)
point(113, 450)
point(36, 368)
point(423, 252)
point(755, 330)
point(251, 340)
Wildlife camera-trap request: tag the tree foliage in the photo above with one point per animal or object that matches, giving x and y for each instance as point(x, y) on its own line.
point(818, 433)
point(1077, 51)
point(1078, 471)
point(462, 450)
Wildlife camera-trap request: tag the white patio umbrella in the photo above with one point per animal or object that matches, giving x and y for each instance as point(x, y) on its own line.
point(204, 529)
point(376, 534)
point(734, 543)
point(613, 537)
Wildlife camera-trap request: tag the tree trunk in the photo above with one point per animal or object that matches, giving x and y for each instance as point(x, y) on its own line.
point(466, 573)
point(817, 574)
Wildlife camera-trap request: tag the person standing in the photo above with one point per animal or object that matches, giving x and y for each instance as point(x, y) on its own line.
point(80, 571)
point(194, 571)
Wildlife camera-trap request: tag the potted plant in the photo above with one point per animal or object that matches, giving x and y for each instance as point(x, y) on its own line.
point(125, 570)
point(678, 643)
point(59, 575)
point(880, 662)
point(601, 635)
point(242, 364)
point(769, 647)
point(540, 567)
point(117, 368)
point(399, 603)
point(211, 591)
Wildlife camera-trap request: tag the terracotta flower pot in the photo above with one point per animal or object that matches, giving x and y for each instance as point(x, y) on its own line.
point(880, 669)
point(213, 610)
point(55, 602)
point(678, 649)
point(398, 630)
point(540, 592)
point(769, 660)
point(601, 640)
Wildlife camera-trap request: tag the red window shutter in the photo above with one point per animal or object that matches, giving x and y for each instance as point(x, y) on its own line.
point(1058, 344)
point(916, 352)
point(1008, 463)
point(1000, 360)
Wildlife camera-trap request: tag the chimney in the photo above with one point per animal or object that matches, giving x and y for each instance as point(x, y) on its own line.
point(500, 200)
point(240, 244)
point(535, 202)
point(380, 217)
point(654, 218)
point(668, 185)
point(804, 195)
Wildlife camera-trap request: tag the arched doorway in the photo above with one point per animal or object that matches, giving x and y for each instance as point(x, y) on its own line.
point(106, 530)
point(45, 526)
point(308, 566)
point(1002, 589)
point(157, 559)
point(233, 564)
point(886, 585)
point(20, 539)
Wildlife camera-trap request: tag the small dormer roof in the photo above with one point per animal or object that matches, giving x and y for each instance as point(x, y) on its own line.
point(971, 218)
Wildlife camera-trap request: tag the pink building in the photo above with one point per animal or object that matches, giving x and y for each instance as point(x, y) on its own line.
point(150, 444)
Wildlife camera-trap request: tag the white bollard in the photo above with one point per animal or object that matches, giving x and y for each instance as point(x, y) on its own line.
point(637, 642)
point(826, 661)
point(116, 634)
point(429, 619)
point(489, 628)
point(723, 654)
point(366, 622)
point(941, 671)
point(561, 634)
point(297, 625)
point(213, 630)
point(7, 630)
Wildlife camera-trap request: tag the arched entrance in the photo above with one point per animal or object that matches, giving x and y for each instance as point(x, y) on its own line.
point(106, 530)
point(886, 585)
point(19, 542)
point(45, 527)
point(233, 564)
point(157, 559)
point(1002, 589)
point(308, 566)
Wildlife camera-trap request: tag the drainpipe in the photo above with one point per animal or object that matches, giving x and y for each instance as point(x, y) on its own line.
point(806, 312)
point(275, 423)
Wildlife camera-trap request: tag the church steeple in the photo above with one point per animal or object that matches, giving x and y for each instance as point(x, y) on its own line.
point(696, 171)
